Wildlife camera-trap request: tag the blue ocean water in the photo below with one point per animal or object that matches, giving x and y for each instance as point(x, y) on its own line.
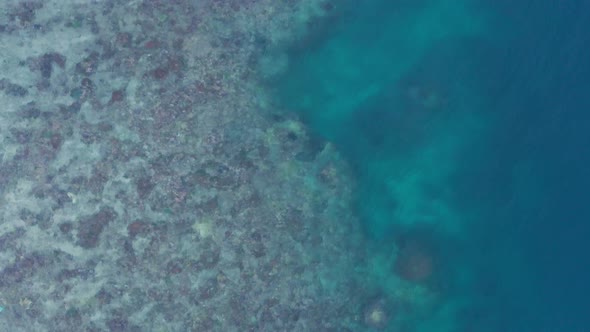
point(465, 122)
point(546, 99)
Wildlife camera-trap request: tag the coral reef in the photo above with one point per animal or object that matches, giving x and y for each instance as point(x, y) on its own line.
point(145, 183)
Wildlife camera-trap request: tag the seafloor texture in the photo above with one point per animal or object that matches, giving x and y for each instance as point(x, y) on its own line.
point(146, 186)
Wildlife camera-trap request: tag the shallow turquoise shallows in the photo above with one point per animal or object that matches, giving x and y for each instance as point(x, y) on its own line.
point(389, 83)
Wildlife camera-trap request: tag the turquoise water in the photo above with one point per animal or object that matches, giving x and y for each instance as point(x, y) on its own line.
point(450, 114)
point(390, 85)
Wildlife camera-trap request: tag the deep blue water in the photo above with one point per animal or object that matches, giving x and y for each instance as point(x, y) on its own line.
point(466, 121)
point(545, 120)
